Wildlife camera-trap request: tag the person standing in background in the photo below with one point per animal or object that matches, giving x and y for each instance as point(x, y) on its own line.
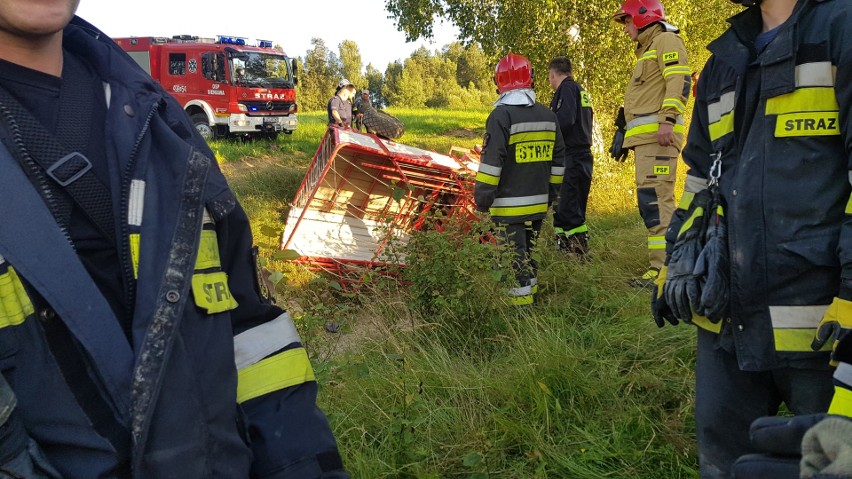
point(573, 108)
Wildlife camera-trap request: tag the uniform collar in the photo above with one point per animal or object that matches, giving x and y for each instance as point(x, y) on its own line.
point(110, 62)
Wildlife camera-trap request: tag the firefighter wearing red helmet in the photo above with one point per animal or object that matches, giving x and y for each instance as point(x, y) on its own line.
point(652, 121)
point(521, 168)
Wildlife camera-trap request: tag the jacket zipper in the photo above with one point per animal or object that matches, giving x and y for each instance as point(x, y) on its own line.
point(126, 266)
point(33, 171)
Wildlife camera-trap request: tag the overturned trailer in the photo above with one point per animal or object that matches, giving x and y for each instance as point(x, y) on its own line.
point(362, 193)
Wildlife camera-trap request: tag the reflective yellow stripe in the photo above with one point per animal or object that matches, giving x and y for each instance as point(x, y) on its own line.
point(283, 370)
point(803, 99)
point(656, 242)
point(688, 223)
point(487, 179)
point(706, 325)
point(532, 136)
point(722, 127)
point(807, 124)
point(521, 300)
point(15, 304)
point(796, 339)
point(686, 200)
point(134, 240)
point(556, 179)
point(849, 206)
point(519, 210)
point(211, 292)
point(650, 128)
point(649, 55)
point(675, 103)
point(676, 70)
point(208, 251)
point(841, 403)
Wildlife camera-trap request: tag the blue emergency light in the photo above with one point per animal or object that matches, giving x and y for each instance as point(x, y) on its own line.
point(264, 43)
point(231, 40)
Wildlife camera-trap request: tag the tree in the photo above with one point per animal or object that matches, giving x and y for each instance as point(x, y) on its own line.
point(542, 29)
point(375, 81)
point(319, 77)
point(350, 62)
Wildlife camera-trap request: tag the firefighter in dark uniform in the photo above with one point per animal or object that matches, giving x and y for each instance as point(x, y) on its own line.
point(771, 122)
point(573, 107)
point(522, 165)
point(654, 102)
point(135, 337)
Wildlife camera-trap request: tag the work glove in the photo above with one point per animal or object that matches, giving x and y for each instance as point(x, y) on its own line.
point(682, 283)
point(659, 308)
point(836, 324)
point(712, 270)
point(616, 149)
point(779, 440)
point(827, 449)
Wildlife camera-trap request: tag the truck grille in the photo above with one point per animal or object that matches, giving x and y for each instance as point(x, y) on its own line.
point(264, 106)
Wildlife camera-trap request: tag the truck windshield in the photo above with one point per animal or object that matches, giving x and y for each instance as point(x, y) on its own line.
point(261, 70)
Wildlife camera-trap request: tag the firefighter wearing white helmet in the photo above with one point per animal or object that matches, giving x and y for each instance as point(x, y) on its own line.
point(652, 121)
point(521, 169)
point(770, 135)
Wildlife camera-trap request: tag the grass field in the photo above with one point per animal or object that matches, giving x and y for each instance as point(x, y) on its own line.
point(457, 384)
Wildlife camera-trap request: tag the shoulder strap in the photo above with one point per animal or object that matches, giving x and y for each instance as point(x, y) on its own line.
point(56, 162)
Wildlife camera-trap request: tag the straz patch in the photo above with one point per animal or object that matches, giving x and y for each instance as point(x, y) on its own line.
point(670, 57)
point(662, 169)
point(585, 99)
point(485, 139)
point(534, 151)
point(807, 124)
point(211, 292)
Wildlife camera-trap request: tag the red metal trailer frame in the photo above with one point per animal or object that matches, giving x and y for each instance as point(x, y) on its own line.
point(361, 192)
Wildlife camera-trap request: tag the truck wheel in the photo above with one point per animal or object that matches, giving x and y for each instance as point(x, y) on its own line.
point(383, 124)
point(203, 126)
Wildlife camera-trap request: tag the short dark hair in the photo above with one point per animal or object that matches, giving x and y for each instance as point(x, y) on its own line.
point(560, 65)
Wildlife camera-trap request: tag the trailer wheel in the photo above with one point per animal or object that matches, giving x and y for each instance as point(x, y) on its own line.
point(203, 126)
point(382, 124)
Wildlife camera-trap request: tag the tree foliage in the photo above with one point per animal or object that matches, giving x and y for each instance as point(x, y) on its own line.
point(581, 29)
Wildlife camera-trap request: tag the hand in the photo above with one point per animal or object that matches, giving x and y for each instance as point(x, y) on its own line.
point(616, 149)
point(836, 324)
point(665, 135)
point(659, 308)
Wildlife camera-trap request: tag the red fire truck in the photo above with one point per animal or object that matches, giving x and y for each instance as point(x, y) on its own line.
point(225, 85)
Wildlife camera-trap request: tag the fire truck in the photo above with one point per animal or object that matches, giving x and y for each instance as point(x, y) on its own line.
point(225, 85)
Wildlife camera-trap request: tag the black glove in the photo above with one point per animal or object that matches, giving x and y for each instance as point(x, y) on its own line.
point(779, 440)
point(712, 270)
point(682, 283)
point(616, 149)
point(659, 308)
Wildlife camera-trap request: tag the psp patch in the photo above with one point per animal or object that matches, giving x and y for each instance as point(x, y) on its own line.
point(670, 57)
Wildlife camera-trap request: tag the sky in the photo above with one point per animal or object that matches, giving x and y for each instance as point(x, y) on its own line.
point(291, 24)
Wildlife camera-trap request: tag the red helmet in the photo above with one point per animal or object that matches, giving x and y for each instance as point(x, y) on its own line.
point(513, 72)
point(643, 12)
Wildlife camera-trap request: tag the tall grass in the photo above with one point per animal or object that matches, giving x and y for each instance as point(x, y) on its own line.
point(446, 380)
